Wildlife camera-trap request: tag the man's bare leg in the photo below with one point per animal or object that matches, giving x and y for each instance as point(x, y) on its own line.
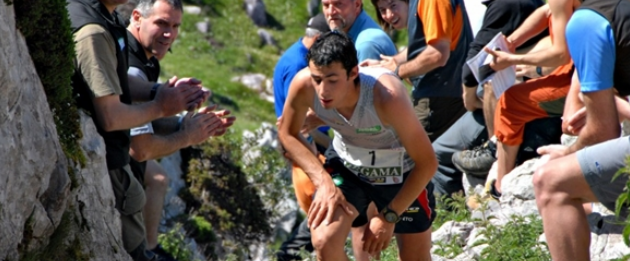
point(357, 236)
point(561, 190)
point(329, 240)
point(489, 103)
point(156, 185)
point(506, 160)
point(414, 247)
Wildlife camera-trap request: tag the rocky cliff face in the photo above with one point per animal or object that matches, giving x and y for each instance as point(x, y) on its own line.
point(41, 196)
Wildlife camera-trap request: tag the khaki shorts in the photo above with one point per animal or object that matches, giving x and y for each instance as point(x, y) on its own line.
point(130, 201)
point(600, 163)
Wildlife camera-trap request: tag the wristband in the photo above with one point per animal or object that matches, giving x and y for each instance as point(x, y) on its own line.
point(154, 91)
point(396, 71)
point(539, 71)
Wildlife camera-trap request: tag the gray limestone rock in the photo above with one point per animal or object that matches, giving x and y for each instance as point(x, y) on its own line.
point(257, 12)
point(99, 228)
point(453, 232)
point(34, 182)
point(313, 7)
point(192, 9)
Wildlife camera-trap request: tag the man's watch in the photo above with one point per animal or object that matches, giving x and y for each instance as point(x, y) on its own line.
point(390, 215)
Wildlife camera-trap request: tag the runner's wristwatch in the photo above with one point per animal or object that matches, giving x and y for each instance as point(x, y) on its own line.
point(390, 215)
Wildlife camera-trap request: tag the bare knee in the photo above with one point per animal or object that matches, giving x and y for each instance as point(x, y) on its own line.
point(546, 185)
point(329, 240)
point(325, 242)
point(539, 178)
point(155, 176)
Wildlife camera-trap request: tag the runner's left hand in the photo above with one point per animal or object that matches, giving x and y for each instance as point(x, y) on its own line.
point(311, 122)
point(377, 235)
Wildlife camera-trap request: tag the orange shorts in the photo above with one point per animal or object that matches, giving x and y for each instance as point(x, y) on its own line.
point(535, 99)
point(304, 188)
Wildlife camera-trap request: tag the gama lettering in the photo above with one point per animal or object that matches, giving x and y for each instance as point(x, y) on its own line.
point(375, 172)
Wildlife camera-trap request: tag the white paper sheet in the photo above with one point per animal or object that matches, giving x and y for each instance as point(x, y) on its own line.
point(501, 80)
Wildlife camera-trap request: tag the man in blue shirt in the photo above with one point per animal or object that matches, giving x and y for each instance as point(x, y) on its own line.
point(294, 59)
point(369, 39)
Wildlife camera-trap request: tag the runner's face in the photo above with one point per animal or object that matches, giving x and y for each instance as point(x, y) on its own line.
point(340, 14)
point(394, 12)
point(159, 30)
point(332, 84)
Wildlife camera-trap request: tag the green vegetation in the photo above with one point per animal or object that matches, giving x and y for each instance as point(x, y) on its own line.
point(52, 55)
point(232, 48)
point(62, 244)
point(174, 242)
point(227, 194)
point(621, 206)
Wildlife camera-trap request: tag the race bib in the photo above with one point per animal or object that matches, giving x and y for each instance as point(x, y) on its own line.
point(376, 166)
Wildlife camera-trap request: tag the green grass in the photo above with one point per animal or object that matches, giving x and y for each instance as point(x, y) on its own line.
point(235, 50)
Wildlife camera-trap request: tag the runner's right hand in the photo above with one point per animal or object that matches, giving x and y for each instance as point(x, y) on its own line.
point(326, 201)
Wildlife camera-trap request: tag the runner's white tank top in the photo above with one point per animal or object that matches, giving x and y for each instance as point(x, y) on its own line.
point(367, 147)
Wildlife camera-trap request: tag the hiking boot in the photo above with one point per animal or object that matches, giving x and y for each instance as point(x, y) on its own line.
point(489, 193)
point(477, 161)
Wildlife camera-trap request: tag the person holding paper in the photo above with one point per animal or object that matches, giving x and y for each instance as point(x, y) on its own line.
point(535, 99)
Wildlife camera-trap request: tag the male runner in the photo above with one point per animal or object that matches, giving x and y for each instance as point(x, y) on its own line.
point(380, 153)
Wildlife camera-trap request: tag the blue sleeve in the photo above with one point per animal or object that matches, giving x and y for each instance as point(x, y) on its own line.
point(279, 95)
point(368, 50)
point(373, 42)
point(592, 47)
point(281, 87)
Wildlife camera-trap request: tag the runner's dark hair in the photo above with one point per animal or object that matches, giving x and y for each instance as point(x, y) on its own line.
point(334, 47)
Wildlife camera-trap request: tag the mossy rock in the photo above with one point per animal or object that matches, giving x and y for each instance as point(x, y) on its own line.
point(46, 27)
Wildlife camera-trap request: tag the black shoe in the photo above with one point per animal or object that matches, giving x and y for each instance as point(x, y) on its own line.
point(493, 191)
point(477, 161)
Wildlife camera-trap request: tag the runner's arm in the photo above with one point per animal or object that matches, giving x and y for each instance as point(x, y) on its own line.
point(395, 109)
point(300, 96)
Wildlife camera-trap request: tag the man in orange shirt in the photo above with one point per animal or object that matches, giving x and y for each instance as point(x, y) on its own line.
point(439, 37)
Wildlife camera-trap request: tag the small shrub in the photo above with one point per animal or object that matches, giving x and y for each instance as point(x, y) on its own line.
point(174, 242)
point(450, 209)
point(623, 202)
point(516, 240)
point(228, 196)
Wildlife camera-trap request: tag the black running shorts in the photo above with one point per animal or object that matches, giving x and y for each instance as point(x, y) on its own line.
point(416, 219)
